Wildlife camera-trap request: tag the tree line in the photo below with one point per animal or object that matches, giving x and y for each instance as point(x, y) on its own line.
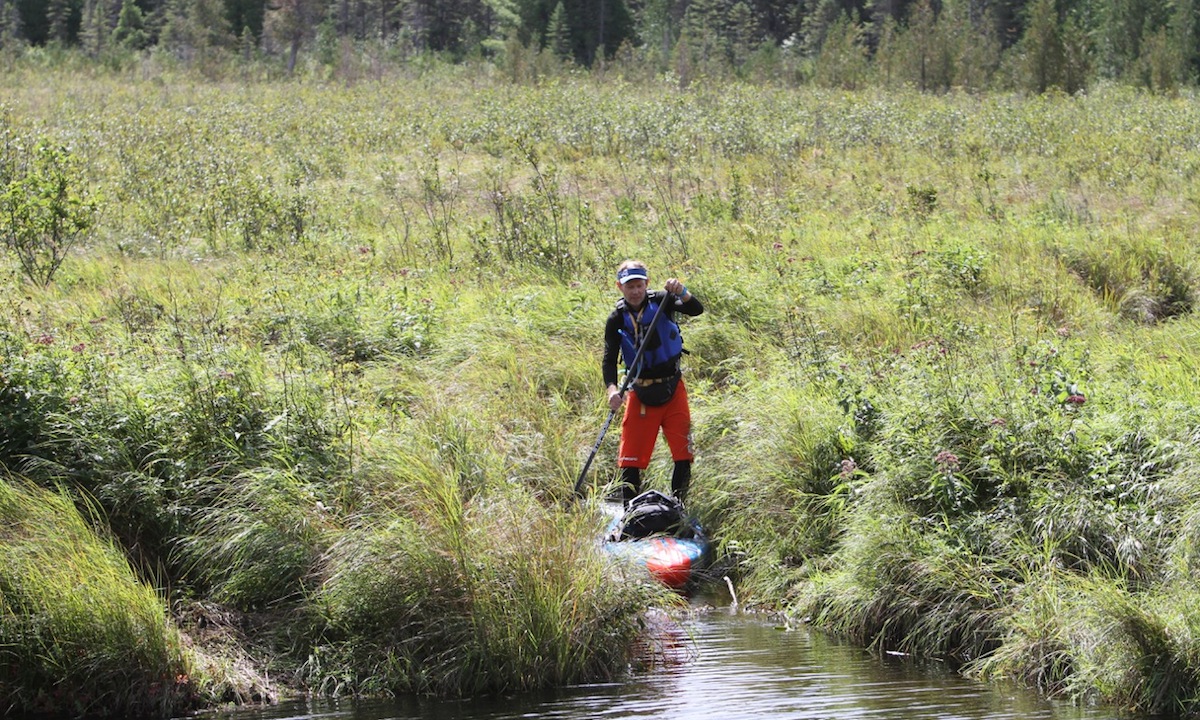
point(930, 44)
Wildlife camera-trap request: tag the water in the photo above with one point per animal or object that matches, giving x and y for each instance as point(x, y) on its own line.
point(732, 667)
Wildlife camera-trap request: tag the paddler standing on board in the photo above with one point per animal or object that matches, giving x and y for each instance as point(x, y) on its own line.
point(659, 399)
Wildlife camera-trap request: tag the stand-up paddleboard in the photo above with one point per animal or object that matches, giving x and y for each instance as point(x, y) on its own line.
point(656, 533)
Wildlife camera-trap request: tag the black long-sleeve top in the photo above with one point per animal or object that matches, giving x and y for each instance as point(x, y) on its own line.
point(612, 336)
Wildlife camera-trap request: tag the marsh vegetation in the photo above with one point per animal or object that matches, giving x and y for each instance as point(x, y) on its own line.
point(310, 389)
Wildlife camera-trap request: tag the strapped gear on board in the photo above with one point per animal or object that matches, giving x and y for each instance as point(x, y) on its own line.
point(653, 513)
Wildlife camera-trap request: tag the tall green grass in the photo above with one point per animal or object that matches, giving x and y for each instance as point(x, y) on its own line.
point(453, 591)
point(79, 634)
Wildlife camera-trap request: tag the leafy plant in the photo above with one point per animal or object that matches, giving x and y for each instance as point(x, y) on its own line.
point(45, 206)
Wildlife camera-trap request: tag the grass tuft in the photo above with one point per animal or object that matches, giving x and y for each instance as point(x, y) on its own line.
point(79, 634)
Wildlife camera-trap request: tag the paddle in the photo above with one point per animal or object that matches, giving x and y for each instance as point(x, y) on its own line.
point(629, 378)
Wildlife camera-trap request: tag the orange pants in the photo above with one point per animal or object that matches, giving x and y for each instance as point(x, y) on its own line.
point(640, 425)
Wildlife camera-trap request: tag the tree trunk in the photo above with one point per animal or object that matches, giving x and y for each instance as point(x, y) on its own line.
point(293, 51)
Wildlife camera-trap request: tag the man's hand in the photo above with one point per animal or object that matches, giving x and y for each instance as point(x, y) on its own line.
point(675, 287)
point(615, 398)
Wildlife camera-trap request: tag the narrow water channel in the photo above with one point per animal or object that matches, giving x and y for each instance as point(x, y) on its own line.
point(733, 667)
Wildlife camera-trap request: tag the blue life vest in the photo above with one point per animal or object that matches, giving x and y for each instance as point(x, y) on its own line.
point(670, 340)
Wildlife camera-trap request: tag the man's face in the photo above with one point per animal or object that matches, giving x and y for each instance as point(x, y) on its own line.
point(634, 291)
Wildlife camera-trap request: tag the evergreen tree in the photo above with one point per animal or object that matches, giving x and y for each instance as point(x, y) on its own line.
point(32, 17)
point(1054, 52)
point(818, 17)
point(682, 59)
point(1077, 53)
point(930, 44)
point(245, 14)
point(10, 25)
point(704, 24)
point(500, 22)
point(195, 28)
point(775, 18)
point(878, 11)
point(877, 14)
point(975, 44)
point(130, 32)
point(889, 46)
point(59, 13)
point(438, 24)
point(153, 22)
point(1042, 47)
point(657, 25)
point(1122, 26)
point(246, 44)
point(743, 32)
point(208, 19)
point(386, 19)
point(601, 26)
point(558, 35)
point(921, 53)
point(929, 70)
point(1185, 36)
point(95, 30)
point(596, 27)
point(170, 32)
point(1009, 17)
point(291, 23)
point(326, 38)
point(842, 61)
point(1161, 67)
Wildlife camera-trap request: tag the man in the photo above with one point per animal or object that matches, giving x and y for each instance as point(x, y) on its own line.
point(659, 398)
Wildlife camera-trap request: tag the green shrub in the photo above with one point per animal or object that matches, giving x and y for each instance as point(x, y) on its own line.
point(46, 206)
point(32, 387)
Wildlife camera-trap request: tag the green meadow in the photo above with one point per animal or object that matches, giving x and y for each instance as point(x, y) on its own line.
point(295, 386)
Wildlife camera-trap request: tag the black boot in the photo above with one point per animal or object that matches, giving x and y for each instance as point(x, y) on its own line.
point(631, 483)
point(681, 477)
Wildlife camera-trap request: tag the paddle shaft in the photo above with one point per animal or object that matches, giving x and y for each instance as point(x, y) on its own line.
point(630, 376)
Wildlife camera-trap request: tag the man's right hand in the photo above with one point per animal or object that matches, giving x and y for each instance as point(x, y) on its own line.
point(615, 398)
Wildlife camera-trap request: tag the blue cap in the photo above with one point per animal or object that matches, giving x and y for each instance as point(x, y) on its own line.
point(624, 275)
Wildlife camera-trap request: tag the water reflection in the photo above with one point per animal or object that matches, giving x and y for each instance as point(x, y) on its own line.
point(737, 668)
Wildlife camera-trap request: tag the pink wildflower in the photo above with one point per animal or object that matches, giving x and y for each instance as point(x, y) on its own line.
point(946, 461)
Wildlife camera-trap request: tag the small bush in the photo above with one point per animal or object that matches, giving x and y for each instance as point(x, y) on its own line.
point(45, 206)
